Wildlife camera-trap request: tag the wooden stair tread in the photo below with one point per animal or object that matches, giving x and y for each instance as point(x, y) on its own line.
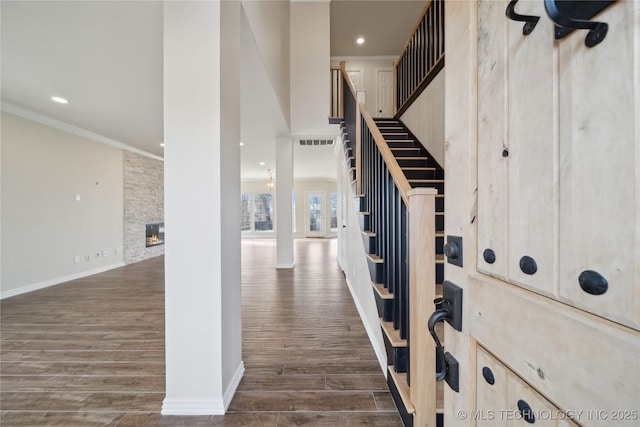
point(415, 158)
point(381, 291)
point(369, 233)
point(400, 380)
point(392, 334)
point(375, 258)
point(435, 181)
point(363, 213)
point(357, 196)
point(439, 259)
point(404, 148)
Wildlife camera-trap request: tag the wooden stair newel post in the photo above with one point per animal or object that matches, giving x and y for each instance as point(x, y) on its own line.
point(358, 146)
point(422, 279)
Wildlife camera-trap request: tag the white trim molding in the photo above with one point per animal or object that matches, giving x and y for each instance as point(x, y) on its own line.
point(233, 386)
point(285, 266)
point(12, 108)
point(58, 280)
point(192, 407)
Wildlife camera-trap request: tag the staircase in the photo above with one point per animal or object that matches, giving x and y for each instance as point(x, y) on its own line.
point(386, 261)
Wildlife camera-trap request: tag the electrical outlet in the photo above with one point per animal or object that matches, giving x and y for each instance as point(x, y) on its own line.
point(105, 253)
point(77, 259)
point(87, 257)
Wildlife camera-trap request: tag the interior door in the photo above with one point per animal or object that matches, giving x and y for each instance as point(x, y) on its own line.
point(384, 93)
point(543, 186)
point(315, 217)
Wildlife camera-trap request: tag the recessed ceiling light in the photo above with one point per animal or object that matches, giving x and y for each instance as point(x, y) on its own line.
point(162, 144)
point(59, 100)
point(262, 163)
point(241, 144)
point(360, 40)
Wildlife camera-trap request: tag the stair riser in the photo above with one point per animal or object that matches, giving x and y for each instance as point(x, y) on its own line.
point(408, 153)
point(439, 245)
point(416, 163)
point(385, 308)
point(369, 244)
point(439, 222)
point(439, 274)
point(359, 202)
point(421, 174)
point(407, 418)
point(438, 186)
point(394, 134)
point(403, 144)
point(363, 221)
point(396, 356)
point(439, 204)
point(375, 271)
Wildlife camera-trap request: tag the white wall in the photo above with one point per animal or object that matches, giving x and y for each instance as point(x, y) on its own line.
point(368, 67)
point(425, 118)
point(269, 21)
point(310, 76)
point(300, 188)
point(354, 264)
point(43, 226)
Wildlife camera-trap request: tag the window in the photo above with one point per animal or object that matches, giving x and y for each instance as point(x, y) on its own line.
point(263, 212)
point(245, 212)
point(333, 211)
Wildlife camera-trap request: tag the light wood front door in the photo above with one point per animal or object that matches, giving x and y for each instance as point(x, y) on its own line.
point(543, 185)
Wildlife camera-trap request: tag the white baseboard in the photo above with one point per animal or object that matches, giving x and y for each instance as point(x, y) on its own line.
point(58, 280)
point(285, 266)
point(192, 407)
point(233, 386)
point(378, 347)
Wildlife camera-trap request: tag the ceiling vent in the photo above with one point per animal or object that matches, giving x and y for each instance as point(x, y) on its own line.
point(316, 142)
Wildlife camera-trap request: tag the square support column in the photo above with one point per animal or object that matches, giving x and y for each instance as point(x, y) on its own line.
point(284, 206)
point(202, 185)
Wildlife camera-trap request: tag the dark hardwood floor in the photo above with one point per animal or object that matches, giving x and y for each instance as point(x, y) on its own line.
point(91, 352)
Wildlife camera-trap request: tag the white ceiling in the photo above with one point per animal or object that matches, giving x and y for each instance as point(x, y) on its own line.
point(385, 26)
point(105, 57)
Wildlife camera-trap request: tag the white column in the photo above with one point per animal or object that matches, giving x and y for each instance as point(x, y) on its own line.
point(284, 208)
point(202, 187)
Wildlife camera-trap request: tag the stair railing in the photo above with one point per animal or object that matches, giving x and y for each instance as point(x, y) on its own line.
point(404, 222)
point(422, 57)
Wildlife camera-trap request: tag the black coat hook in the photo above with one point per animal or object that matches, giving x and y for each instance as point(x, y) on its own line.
point(572, 15)
point(530, 20)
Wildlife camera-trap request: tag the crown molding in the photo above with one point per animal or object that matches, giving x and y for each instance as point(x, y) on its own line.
point(10, 107)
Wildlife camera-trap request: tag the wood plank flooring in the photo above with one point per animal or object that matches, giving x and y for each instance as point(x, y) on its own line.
point(91, 352)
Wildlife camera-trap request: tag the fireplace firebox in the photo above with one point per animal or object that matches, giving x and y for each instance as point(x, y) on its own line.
point(155, 234)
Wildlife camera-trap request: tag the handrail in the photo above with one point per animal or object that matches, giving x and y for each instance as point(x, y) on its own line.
point(392, 164)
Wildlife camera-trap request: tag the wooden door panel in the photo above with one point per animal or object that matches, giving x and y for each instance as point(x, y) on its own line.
point(490, 398)
point(599, 165)
point(575, 358)
point(532, 146)
point(500, 392)
point(493, 185)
